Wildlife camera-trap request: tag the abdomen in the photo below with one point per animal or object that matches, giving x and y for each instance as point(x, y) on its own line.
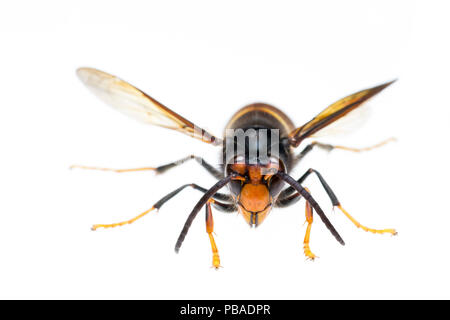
point(261, 115)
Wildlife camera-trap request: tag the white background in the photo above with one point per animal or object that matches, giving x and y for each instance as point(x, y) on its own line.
point(205, 60)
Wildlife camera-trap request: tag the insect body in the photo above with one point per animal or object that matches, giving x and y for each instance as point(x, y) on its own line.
point(258, 153)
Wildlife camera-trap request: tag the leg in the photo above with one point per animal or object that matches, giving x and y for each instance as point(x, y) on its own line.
point(289, 193)
point(220, 196)
point(161, 169)
point(203, 200)
point(329, 147)
point(305, 194)
point(210, 230)
point(359, 225)
point(114, 170)
point(309, 220)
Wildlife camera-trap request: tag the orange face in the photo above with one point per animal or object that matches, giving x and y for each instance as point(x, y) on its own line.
point(255, 190)
point(254, 203)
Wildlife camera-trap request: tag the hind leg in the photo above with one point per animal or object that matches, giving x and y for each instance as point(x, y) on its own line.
point(161, 169)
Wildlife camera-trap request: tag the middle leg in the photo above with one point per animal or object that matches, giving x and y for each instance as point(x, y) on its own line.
point(226, 207)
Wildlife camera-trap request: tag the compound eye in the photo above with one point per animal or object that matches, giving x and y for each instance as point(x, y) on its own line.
point(274, 160)
point(236, 166)
point(275, 183)
point(273, 167)
point(235, 187)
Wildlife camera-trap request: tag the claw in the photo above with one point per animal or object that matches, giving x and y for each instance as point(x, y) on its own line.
point(308, 253)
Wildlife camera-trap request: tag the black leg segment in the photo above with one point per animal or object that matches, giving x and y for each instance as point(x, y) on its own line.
point(286, 193)
point(213, 171)
point(305, 194)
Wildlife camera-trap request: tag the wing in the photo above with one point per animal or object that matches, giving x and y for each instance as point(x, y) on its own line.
point(334, 112)
point(349, 124)
point(133, 102)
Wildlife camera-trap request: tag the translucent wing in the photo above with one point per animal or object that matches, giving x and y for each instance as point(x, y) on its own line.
point(334, 112)
point(353, 121)
point(133, 102)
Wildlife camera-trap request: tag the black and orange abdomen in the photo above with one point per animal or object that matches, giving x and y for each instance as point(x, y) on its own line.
point(261, 115)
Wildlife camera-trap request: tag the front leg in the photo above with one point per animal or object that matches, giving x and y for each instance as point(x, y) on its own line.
point(309, 219)
point(209, 231)
point(290, 200)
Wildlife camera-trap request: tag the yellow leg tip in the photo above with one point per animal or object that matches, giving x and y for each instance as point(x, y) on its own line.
point(112, 170)
point(216, 261)
point(113, 225)
point(105, 226)
point(376, 231)
point(308, 253)
point(391, 231)
point(359, 225)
